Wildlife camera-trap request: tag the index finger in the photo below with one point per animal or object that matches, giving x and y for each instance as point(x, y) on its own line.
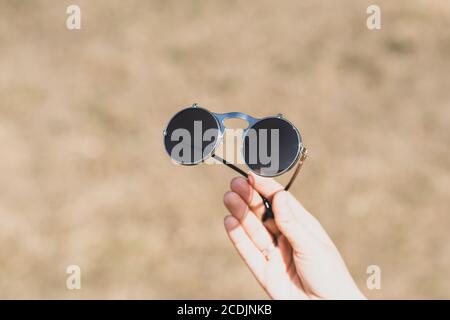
point(267, 187)
point(254, 201)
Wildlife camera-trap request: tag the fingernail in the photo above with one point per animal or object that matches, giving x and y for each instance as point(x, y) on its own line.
point(226, 197)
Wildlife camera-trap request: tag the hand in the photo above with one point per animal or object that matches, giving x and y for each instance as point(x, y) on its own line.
point(291, 257)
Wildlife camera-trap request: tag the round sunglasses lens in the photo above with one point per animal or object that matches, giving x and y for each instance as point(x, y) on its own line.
point(191, 136)
point(271, 147)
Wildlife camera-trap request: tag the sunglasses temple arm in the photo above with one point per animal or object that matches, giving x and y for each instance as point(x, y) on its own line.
point(230, 165)
point(269, 213)
point(304, 154)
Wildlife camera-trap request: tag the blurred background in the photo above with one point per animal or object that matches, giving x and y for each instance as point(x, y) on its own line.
point(84, 178)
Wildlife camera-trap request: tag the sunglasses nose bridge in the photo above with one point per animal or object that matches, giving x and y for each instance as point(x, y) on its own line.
point(235, 115)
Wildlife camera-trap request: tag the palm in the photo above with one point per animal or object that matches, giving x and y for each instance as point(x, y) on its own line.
point(280, 279)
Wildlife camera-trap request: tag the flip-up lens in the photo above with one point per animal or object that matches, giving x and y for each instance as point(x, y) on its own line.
point(191, 136)
point(271, 146)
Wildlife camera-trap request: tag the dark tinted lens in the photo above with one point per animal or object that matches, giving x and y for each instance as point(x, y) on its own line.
point(191, 135)
point(271, 146)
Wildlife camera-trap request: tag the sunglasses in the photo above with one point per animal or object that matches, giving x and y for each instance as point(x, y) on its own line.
point(270, 146)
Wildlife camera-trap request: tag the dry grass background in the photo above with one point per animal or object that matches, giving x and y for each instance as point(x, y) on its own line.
point(84, 178)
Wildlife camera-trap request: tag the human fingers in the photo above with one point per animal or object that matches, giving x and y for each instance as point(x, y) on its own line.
point(251, 255)
point(251, 224)
point(254, 201)
point(297, 234)
point(267, 187)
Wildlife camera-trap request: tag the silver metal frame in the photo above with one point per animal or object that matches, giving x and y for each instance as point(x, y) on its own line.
point(218, 141)
point(299, 149)
point(221, 117)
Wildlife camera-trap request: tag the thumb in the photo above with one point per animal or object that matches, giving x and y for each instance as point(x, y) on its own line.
point(297, 234)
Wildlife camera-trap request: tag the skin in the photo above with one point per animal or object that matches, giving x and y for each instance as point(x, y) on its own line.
point(292, 257)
